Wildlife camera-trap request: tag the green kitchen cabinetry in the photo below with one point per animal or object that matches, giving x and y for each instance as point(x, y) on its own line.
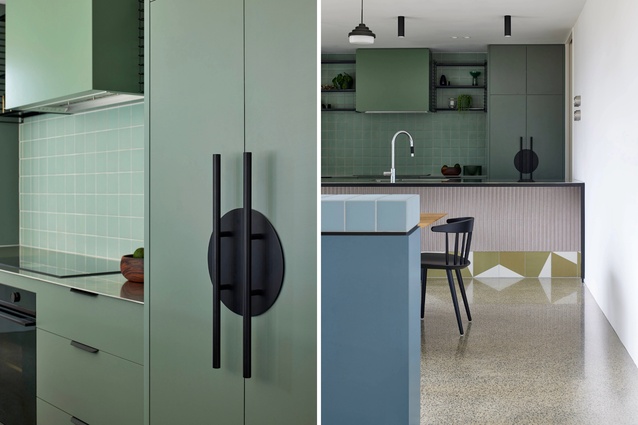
point(526, 100)
point(217, 89)
point(69, 47)
point(89, 357)
point(393, 80)
point(9, 174)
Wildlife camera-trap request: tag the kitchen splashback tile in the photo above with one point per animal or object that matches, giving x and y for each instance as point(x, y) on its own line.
point(82, 182)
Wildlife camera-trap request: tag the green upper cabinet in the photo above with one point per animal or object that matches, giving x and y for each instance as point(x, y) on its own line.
point(393, 80)
point(508, 69)
point(546, 69)
point(57, 50)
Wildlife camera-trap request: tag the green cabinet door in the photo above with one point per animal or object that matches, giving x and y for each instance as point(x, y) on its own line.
point(281, 132)
point(9, 175)
point(393, 80)
point(546, 69)
point(545, 123)
point(195, 107)
point(507, 69)
point(507, 123)
point(234, 81)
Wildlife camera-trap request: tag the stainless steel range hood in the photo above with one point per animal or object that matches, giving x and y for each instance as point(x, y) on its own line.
point(66, 56)
point(84, 102)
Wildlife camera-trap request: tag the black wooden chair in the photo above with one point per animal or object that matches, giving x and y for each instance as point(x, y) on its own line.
point(455, 257)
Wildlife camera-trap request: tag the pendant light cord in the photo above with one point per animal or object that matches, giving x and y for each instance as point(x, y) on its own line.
point(361, 11)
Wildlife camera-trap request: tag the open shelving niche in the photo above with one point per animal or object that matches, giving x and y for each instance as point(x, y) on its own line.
point(440, 94)
point(339, 100)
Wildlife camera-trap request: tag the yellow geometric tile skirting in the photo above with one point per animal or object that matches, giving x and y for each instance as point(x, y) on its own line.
point(520, 264)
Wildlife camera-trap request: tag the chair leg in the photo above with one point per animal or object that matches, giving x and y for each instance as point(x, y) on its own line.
point(455, 301)
point(424, 278)
point(462, 287)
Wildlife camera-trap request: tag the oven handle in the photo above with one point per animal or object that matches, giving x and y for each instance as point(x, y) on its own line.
point(16, 317)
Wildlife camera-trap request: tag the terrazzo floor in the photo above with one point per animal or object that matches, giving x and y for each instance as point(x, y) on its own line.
point(539, 351)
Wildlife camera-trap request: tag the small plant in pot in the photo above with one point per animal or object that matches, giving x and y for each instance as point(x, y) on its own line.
point(463, 102)
point(132, 266)
point(343, 81)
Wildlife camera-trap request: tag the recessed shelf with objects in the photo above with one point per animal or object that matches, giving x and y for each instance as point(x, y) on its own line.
point(336, 99)
point(459, 83)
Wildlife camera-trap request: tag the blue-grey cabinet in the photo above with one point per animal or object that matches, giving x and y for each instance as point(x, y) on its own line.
point(227, 77)
point(526, 100)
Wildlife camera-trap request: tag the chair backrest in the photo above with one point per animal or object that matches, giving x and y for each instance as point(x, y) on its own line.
point(460, 229)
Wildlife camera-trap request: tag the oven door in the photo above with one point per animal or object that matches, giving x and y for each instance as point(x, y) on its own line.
point(17, 367)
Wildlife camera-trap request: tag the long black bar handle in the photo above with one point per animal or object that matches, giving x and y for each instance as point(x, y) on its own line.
point(247, 261)
point(531, 158)
point(217, 261)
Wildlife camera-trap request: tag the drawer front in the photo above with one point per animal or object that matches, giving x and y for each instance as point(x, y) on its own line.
point(112, 325)
point(97, 388)
point(51, 415)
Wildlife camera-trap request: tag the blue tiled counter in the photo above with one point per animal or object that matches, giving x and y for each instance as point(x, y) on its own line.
point(371, 330)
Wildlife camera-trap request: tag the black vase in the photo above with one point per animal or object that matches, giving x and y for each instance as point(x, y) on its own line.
point(443, 81)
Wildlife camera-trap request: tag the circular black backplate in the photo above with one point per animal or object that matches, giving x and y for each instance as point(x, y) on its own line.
point(267, 262)
point(526, 161)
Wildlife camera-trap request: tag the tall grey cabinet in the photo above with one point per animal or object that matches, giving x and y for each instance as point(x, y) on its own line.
point(526, 100)
point(225, 77)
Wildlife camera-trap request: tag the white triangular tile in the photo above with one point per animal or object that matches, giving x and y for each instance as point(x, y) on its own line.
point(569, 256)
point(547, 268)
point(493, 272)
point(569, 299)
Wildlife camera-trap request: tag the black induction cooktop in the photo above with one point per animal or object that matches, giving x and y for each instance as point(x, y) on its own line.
point(54, 263)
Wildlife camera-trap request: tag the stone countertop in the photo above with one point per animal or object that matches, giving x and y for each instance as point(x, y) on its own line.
point(429, 180)
point(111, 285)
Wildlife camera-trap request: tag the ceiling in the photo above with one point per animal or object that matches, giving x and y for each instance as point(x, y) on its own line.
point(432, 23)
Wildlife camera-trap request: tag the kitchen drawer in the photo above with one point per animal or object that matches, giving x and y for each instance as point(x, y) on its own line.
point(51, 415)
point(97, 388)
point(112, 325)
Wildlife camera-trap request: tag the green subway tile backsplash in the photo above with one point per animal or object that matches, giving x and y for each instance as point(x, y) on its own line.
point(356, 143)
point(82, 182)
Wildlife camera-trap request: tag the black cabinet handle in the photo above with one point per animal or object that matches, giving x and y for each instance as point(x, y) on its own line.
point(247, 224)
point(239, 238)
point(84, 347)
point(76, 421)
point(217, 260)
point(17, 317)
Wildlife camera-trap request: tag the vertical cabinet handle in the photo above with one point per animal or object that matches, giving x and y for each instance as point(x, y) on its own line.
point(217, 261)
point(231, 254)
point(247, 247)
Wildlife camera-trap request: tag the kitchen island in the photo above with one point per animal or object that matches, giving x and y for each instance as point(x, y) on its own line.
point(522, 229)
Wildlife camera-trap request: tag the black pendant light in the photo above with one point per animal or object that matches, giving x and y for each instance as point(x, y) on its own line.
point(361, 34)
point(508, 26)
point(401, 26)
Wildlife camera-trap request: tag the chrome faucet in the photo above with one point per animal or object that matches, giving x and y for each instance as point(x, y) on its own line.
point(393, 173)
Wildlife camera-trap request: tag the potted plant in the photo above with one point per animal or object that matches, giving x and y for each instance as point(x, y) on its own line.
point(343, 81)
point(463, 102)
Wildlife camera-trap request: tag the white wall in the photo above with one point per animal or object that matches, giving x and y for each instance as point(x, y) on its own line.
point(606, 155)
